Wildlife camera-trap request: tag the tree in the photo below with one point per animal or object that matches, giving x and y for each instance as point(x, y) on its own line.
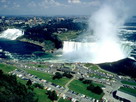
point(81, 79)
point(67, 74)
point(37, 85)
point(29, 83)
point(1, 73)
point(57, 75)
point(90, 87)
point(13, 91)
point(87, 81)
point(52, 95)
point(97, 90)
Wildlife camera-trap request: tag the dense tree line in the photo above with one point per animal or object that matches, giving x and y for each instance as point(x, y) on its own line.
point(44, 33)
point(13, 91)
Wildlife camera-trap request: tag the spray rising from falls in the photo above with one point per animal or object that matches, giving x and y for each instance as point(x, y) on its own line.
point(11, 34)
point(94, 52)
point(107, 46)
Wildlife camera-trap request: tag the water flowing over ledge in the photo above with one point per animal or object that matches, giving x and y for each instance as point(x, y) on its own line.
point(95, 52)
point(11, 34)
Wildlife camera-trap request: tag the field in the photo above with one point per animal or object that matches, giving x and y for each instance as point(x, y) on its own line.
point(91, 66)
point(7, 68)
point(64, 100)
point(79, 87)
point(41, 94)
point(48, 77)
point(67, 36)
point(129, 83)
point(38, 65)
point(128, 90)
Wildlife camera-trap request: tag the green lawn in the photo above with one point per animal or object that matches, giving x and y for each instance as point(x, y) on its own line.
point(91, 66)
point(21, 81)
point(79, 87)
point(7, 68)
point(68, 35)
point(41, 94)
point(64, 100)
point(38, 65)
point(48, 77)
point(129, 83)
point(128, 90)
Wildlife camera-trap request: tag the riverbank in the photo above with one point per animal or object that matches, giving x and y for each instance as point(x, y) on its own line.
point(37, 43)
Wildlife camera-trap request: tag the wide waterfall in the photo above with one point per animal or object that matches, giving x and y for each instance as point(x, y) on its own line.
point(11, 34)
point(94, 52)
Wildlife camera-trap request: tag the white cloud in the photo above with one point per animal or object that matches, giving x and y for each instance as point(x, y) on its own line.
point(15, 5)
point(32, 4)
point(50, 3)
point(74, 1)
point(92, 3)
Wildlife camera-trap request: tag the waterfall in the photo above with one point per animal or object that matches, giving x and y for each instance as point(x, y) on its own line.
point(95, 52)
point(11, 34)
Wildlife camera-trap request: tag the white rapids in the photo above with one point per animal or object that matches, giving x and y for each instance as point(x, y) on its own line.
point(11, 34)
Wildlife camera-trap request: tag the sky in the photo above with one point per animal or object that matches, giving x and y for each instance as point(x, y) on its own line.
point(58, 7)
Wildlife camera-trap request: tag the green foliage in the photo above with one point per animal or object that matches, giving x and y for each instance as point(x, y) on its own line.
point(42, 97)
point(29, 83)
point(37, 85)
point(67, 74)
point(48, 77)
point(57, 75)
point(13, 91)
point(7, 68)
point(128, 90)
point(87, 81)
point(94, 89)
point(80, 87)
point(49, 45)
point(52, 95)
point(64, 100)
point(128, 82)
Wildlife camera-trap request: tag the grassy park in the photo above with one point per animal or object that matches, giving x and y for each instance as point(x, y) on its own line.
point(79, 87)
point(128, 83)
point(128, 90)
point(48, 77)
point(7, 68)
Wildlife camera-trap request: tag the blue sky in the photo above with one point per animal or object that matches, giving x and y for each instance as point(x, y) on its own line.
point(57, 7)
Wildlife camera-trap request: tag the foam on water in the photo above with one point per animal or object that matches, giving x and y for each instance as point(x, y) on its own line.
point(95, 52)
point(11, 34)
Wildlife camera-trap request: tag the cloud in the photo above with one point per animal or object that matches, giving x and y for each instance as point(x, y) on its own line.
point(3, 1)
point(92, 3)
point(49, 3)
point(15, 5)
point(5, 6)
point(74, 1)
point(32, 4)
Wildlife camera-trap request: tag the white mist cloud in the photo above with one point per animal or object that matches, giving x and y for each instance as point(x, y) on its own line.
point(104, 24)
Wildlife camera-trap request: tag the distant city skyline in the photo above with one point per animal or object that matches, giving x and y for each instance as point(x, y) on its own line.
point(58, 7)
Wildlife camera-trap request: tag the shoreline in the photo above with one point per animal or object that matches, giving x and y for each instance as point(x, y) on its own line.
point(33, 42)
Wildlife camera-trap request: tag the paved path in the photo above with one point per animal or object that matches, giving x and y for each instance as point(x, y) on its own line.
point(66, 86)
